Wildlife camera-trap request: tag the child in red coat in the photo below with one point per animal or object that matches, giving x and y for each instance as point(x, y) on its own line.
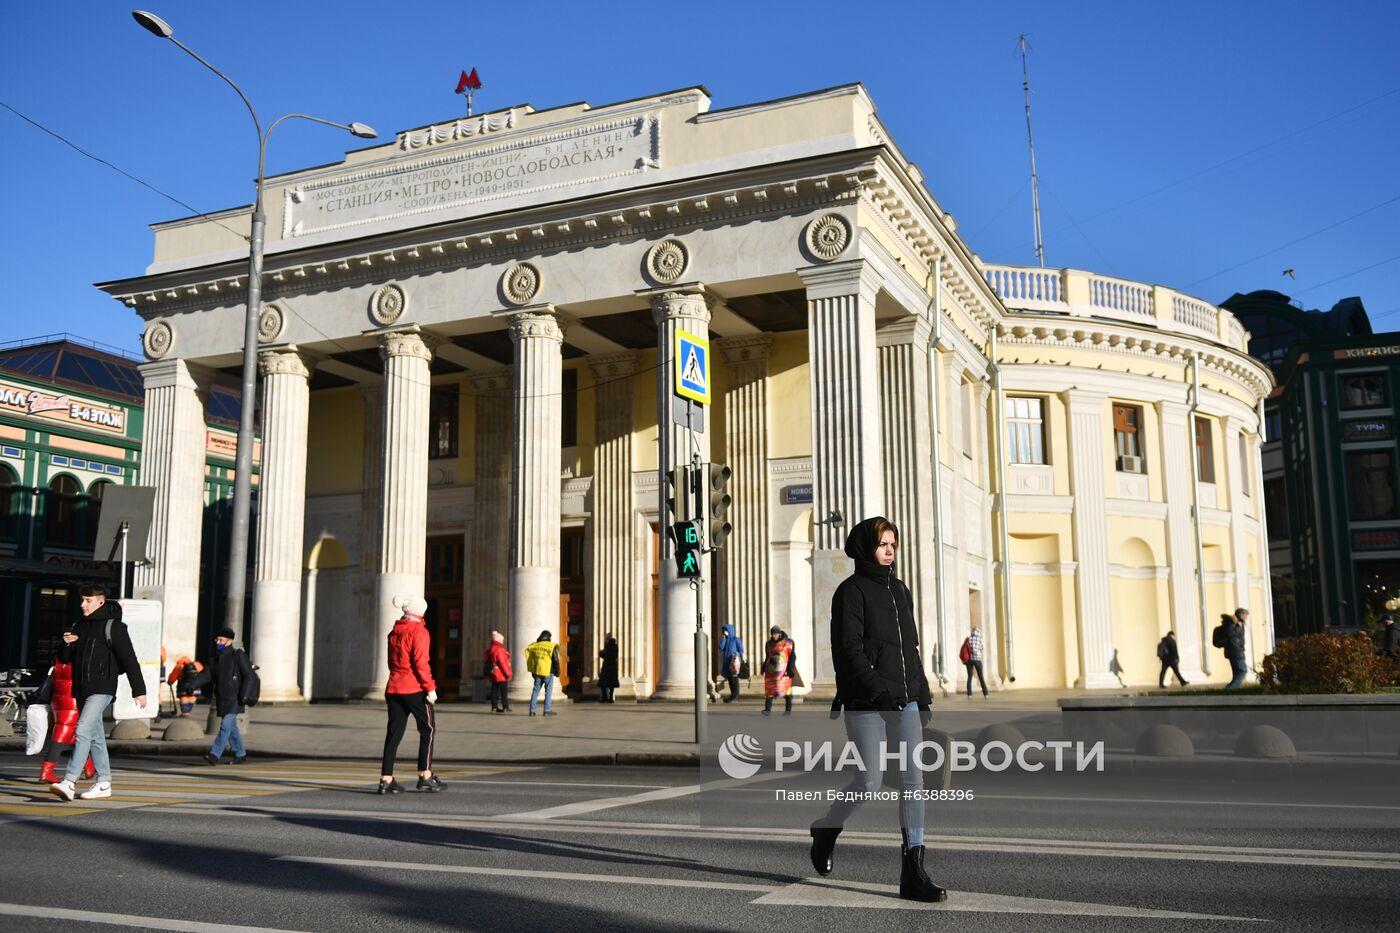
point(63, 732)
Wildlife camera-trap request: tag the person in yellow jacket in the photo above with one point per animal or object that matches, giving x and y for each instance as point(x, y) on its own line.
point(542, 661)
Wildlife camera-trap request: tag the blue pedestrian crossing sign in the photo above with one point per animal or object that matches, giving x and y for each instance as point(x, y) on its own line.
point(692, 367)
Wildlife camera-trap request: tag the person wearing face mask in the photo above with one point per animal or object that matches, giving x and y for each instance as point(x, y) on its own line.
point(229, 670)
point(881, 685)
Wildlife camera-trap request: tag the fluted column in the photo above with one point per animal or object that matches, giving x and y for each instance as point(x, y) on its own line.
point(1232, 430)
point(172, 460)
point(403, 513)
point(488, 560)
point(536, 491)
point(904, 417)
point(686, 309)
point(1178, 451)
point(748, 555)
point(1087, 440)
point(846, 442)
point(365, 627)
point(613, 606)
point(286, 401)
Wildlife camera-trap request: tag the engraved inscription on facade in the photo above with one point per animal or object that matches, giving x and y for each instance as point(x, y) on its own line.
point(484, 172)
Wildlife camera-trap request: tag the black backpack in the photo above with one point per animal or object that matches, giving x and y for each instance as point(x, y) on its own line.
point(1218, 637)
point(252, 686)
point(1163, 652)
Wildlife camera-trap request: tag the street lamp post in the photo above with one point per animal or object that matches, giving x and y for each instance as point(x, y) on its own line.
point(247, 400)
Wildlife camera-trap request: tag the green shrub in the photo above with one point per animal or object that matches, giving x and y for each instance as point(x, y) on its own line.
point(1326, 663)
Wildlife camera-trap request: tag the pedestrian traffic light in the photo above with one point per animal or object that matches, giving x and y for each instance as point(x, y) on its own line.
point(678, 495)
point(687, 536)
point(718, 512)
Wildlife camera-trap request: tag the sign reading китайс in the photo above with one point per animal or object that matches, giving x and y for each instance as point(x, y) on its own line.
point(692, 367)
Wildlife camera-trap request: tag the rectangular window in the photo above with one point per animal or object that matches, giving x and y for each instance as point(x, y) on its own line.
point(1371, 484)
point(1127, 438)
point(1205, 451)
point(1276, 509)
point(1366, 390)
point(569, 421)
point(1025, 430)
point(442, 419)
point(1273, 425)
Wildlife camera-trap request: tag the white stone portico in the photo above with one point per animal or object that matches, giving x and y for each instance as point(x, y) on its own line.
point(467, 397)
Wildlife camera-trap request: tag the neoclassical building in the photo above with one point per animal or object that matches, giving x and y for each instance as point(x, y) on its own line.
point(467, 393)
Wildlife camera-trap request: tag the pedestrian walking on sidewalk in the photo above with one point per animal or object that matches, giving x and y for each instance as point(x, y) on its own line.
point(231, 673)
point(1170, 657)
point(410, 691)
point(1390, 640)
point(178, 681)
point(498, 673)
point(99, 648)
point(779, 670)
point(1229, 636)
point(881, 684)
point(607, 672)
point(731, 660)
point(62, 733)
point(542, 661)
point(971, 656)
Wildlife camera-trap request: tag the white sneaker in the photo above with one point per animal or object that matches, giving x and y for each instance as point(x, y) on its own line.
point(63, 790)
point(97, 791)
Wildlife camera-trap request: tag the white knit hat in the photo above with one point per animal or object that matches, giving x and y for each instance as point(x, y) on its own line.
point(412, 605)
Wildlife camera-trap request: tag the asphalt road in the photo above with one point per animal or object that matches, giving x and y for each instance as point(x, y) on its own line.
point(307, 846)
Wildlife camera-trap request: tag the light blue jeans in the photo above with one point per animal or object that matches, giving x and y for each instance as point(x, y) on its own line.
point(228, 735)
point(548, 684)
point(91, 739)
point(867, 730)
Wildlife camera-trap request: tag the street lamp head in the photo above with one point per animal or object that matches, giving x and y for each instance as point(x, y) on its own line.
point(362, 131)
point(153, 24)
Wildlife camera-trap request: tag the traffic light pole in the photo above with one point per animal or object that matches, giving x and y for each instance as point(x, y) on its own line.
point(702, 654)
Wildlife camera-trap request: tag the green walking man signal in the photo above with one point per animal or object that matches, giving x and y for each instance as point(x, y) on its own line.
point(688, 545)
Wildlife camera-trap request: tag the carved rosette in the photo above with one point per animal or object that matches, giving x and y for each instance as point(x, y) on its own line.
point(158, 339)
point(270, 323)
point(535, 325)
point(828, 236)
point(521, 283)
point(388, 304)
point(283, 362)
point(406, 344)
point(667, 260)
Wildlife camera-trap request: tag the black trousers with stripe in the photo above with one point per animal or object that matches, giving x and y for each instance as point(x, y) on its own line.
point(401, 706)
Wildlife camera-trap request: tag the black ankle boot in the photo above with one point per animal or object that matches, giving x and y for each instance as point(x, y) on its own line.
point(823, 844)
point(914, 883)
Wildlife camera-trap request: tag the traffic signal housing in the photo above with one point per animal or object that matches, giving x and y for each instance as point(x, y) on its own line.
point(678, 494)
point(688, 547)
point(717, 514)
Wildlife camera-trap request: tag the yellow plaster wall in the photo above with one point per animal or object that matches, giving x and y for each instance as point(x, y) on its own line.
point(1122, 531)
point(587, 418)
point(1137, 608)
point(644, 437)
point(1028, 533)
point(1039, 623)
point(789, 397)
point(335, 441)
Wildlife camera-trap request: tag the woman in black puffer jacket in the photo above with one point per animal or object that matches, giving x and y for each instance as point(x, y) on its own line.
point(880, 682)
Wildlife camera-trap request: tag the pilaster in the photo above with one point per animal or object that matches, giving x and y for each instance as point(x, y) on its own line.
point(1177, 452)
point(612, 607)
point(488, 563)
point(1090, 532)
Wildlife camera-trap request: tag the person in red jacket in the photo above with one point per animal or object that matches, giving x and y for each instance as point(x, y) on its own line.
point(410, 691)
point(498, 672)
point(63, 732)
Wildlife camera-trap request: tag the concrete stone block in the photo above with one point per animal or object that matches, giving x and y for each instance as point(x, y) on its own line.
point(1262, 741)
point(131, 729)
point(1165, 741)
point(184, 730)
point(1000, 732)
point(6, 730)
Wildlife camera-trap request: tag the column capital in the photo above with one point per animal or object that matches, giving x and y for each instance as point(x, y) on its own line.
point(613, 365)
point(835, 279)
point(1077, 399)
point(692, 301)
point(911, 329)
point(409, 341)
point(285, 360)
point(1171, 410)
point(750, 348)
point(177, 373)
point(535, 322)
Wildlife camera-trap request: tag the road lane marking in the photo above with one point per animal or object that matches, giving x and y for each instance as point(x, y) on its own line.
point(847, 894)
point(130, 920)
point(607, 803)
point(1322, 858)
point(1287, 805)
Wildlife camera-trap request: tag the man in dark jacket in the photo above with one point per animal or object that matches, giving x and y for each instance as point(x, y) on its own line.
point(1390, 638)
point(99, 648)
point(880, 681)
point(230, 671)
point(1229, 636)
point(1170, 657)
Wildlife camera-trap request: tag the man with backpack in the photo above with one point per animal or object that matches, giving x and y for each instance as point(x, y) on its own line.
point(236, 688)
point(1170, 657)
point(99, 648)
point(1229, 636)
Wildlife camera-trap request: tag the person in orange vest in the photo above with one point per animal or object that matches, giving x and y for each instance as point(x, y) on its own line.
point(177, 674)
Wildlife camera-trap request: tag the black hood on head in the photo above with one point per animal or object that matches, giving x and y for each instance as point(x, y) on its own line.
point(860, 547)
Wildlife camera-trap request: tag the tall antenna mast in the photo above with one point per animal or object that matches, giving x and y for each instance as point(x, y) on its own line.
point(1030, 139)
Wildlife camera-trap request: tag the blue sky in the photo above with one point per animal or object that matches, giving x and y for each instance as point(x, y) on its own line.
point(1175, 142)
